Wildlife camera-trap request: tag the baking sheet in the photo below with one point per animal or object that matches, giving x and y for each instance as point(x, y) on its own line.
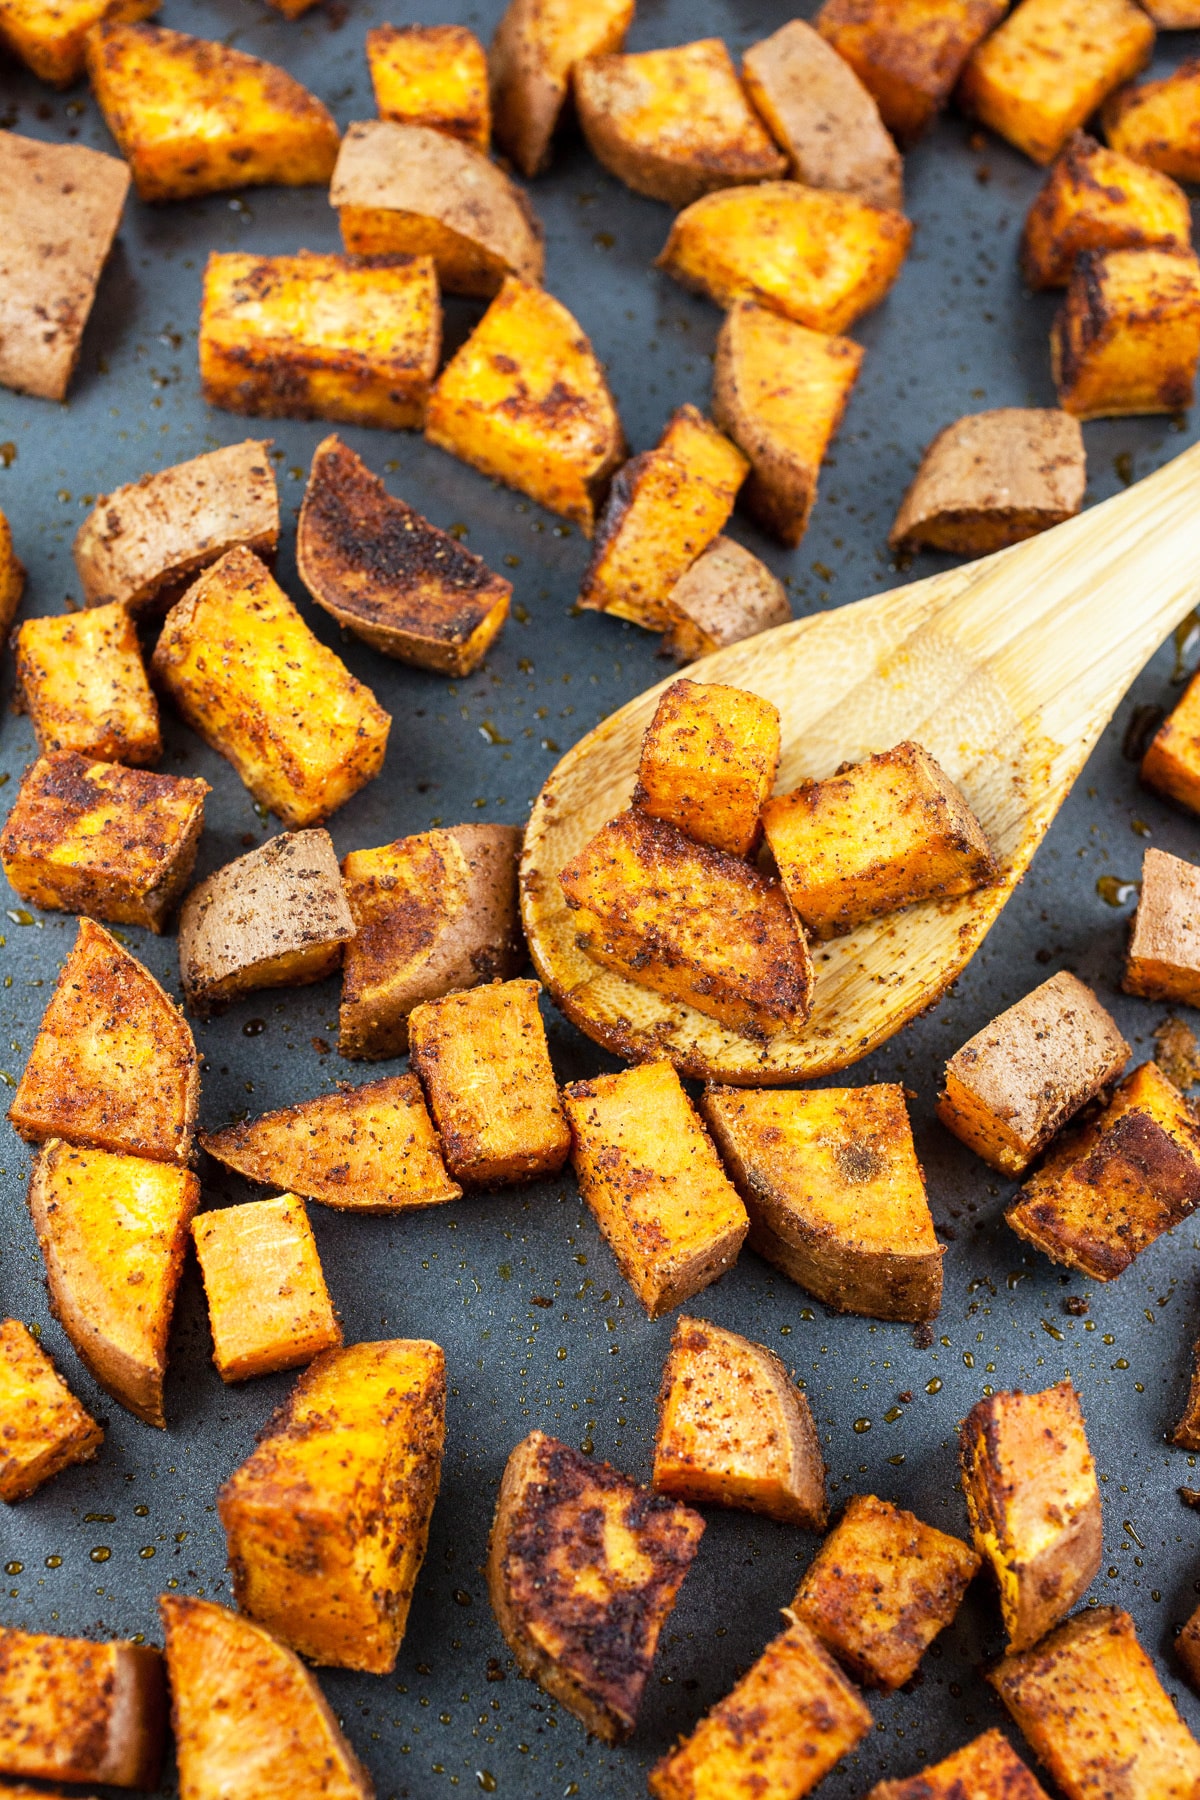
point(94, 1548)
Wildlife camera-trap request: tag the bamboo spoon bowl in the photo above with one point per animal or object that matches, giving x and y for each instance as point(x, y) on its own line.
point(1007, 671)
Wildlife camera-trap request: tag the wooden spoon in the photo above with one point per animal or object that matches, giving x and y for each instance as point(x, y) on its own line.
point(1007, 670)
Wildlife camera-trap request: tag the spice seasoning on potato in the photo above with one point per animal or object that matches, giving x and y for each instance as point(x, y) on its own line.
point(533, 56)
point(268, 1305)
point(81, 678)
point(12, 571)
point(1158, 122)
point(1163, 958)
point(434, 75)
point(1187, 1433)
point(726, 595)
point(708, 763)
point(1127, 337)
point(993, 479)
point(1172, 761)
point(985, 1769)
point(52, 40)
point(75, 1710)
point(907, 53)
point(1099, 199)
point(44, 1429)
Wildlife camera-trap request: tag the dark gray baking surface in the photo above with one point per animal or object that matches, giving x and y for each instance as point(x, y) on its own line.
point(91, 1552)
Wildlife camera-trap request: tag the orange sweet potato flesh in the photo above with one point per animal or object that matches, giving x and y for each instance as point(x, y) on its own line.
point(708, 763)
point(268, 1305)
point(74, 1710)
point(43, 1428)
point(985, 1769)
point(52, 40)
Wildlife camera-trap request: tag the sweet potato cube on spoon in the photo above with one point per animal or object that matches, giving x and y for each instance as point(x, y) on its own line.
point(993, 479)
point(708, 763)
point(1099, 199)
point(74, 1710)
point(987, 1768)
point(1163, 959)
point(1127, 337)
point(434, 75)
point(531, 61)
point(45, 1428)
point(907, 53)
point(726, 595)
point(268, 1305)
point(81, 678)
point(1172, 761)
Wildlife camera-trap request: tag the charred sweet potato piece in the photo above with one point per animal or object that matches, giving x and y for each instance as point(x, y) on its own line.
point(248, 1716)
point(388, 575)
point(1187, 1433)
point(1098, 199)
point(526, 401)
point(708, 763)
point(1034, 1504)
point(1127, 338)
point(248, 675)
point(1158, 123)
point(1187, 1645)
point(1109, 1188)
point(780, 390)
point(144, 543)
point(327, 1520)
point(100, 839)
point(993, 479)
point(1091, 1706)
point(370, 1149)
point(584, 1567)
point(1172, 762)
point(835, 1194)
point(52, 40)
point(12, 576)
point(113, 1064)
point(790, 1718)
point(985, 1769)
point(268, 1305)
point(907, 53)
point(1163, 959)
point(650, 1175)
point(535, 49)
point(734, 1430)
point(1018, 1081)
point(726, 595)
point(484, 1063)
point(43, 1428)
point(433, 75)
point(73, 1710)
point(81, 679)
point(193, 117)
point(277, 917)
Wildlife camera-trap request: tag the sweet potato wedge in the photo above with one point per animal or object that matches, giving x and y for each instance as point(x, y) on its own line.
point(74, 1710)
point(708, 763)
point(327, 1520)
point(81, 679)
point(1163, 959)
point(726, 595)
point(535, 49)
point(1127, 339)
point(268, 1305)
point(43, 1428)
point(435, 75)
point(1099, 199)
point(1172, 762)
point(51, 40)
point(12, 578)
point(584, 1567)
point(1187, 1433)
point(993, 479)
point(985, 1769)
point(1157, 123)
point(908, 54)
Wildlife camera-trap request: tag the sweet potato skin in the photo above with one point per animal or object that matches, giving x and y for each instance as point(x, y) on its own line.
point(985, 1769)
point(1187, 1433)
point(1172, 762)
point(81, 679)
point(907, 56)
point(535, 49)
point(708, 763)
point(1163, 958)
point(1127, 338)
point(74, 1710)
point(726, 595)
point(1158, 123)
point(268, 1305)
point(43, 1428)
point(993, 479)
point(1099, 199)
point(433, 75)
point(52, 41)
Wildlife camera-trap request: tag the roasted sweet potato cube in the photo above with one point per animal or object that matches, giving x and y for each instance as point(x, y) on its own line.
point(1109, 1188)
point(247, 1711)
point(370, 1149)
point(248, 675)
point(821, 116)
point(113, 1064)
point(192, 116)
point(985, 1769)
point(1090, 1704)
point(526, 401)
point(413, 190)
point(1034, 1504)
point(584, 1567)
point(97, 838)
point(1098, 199)
point(653, 1181)
point(907, 53)
point(993, 479)
point(268, 1305)
point(1172, 762)
point(12, 577)
point(790, 1718)
point(835, 1193)
point(51, 40)
point(535, 49)
point(327, 1520)
point(1158, 123)
point(1127, 338)
point(113, 1232)
point(734, 1430)
point(1187, 1433)
point(726, 595)
point(144, 543)
point(691, 922)
point(277, 917)
point(433, 75)
point(1017, 1082)
point(73, 1710)
point(1174, 15)
point(43, 1428)
point(81, 679)
point(780, 390)
point(1187, 1646)
point(484, 1063)
point(348, 338)
point(1163, 959)
point(708, 763)
point(388, 575)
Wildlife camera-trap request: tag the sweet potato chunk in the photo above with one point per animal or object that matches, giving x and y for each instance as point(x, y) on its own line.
point(60, 206)
point(790, 1718)
point(835, 1194)
point(484, 1063)
point(43, 1428)
point(1187, 1433)
point(726, 595)
point(780, 390)
point(1091, 1706)
point(113, 1064)
point(535, 49)
point(993, 479)
point(81, 679)
point(433, 75)
point(276, 917)
point(1098, 199)
point(327, 1520)
point(822, 117)
point(12, 572)
point(584, 1567)
point(1187, 1645)
point(248, 1716)
point(248, 675)
point(370, 1149)
point(1127, 338)
point(526, 401)
point(1163, 959)
point(1109, 1188)
point(1017, 1082)
point(355, 339)
point(907, 53)
point(734, 1430)
point(144, 543)
point(193, 117)
point(388, 575)
point(73, 1710)
point(691, 922)
point(1158, 123)
point(113, 1232)
point(1172, 762)
point(1174, 15)
point(1034, 1504)
point(268, 1305)
point(52, 39)
point(708, 763)
point(985, 1769)
point(650, 1175)
point(100, 839)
